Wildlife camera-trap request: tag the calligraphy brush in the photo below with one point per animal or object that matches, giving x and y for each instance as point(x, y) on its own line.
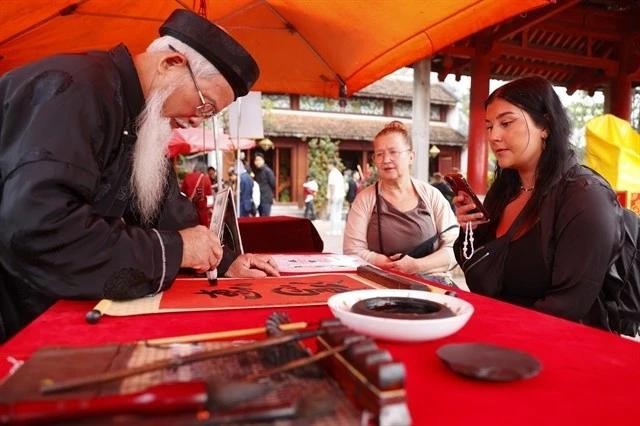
point(49, 386)
point(227, 334)
point(276, 324)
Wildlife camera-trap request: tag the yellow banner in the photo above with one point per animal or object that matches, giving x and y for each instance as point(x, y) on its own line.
point(613, 150)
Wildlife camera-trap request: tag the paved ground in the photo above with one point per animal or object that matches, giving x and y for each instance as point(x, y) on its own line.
point(332, 243)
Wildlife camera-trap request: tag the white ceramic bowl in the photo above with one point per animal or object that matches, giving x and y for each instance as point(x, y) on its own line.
point(412, 330)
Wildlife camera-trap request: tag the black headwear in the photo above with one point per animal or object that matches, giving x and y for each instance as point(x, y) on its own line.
point(232, 60)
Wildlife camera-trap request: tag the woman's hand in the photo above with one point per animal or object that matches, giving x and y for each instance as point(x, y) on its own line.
point(464, 205)
point(381, 261)
point(402, 263)
point(397, 262)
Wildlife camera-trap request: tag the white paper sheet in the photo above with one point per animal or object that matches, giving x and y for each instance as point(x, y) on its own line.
point(310, 263)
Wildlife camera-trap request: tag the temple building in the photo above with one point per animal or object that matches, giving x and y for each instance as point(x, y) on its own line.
point(291, 121)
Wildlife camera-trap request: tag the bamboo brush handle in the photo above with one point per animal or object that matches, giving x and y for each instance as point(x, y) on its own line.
point(219, 335)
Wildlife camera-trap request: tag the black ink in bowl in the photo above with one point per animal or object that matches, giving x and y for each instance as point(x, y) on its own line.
point(402, 308)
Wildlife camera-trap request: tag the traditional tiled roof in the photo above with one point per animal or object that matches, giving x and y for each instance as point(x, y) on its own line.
point(397, 88)
point(303, 124)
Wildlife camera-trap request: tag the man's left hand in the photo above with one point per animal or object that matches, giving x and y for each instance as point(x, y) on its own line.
point(253, 266)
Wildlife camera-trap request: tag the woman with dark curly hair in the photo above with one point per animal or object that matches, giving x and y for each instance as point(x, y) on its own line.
point(553, 225)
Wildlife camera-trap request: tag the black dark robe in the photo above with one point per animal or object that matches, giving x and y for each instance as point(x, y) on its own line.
point(68, 227)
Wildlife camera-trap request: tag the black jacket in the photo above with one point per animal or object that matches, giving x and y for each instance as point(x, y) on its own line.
point(580, 232)
point(267, 182)
point(68, 227)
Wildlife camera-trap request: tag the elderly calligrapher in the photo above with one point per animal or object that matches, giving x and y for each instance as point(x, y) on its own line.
point(89, 205)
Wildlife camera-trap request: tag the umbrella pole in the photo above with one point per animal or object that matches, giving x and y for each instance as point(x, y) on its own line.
point(215, 150)
point(239, 101)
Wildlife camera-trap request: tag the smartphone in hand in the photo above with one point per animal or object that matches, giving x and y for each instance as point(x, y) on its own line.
point(459, 183)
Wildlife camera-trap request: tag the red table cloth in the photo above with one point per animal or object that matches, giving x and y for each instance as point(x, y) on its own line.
point(588, 377)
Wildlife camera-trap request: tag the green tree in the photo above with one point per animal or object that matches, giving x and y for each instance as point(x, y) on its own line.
point(321, 150)
point(582, 109)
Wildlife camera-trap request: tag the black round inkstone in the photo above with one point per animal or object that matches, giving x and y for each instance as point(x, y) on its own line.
point(488, 362)
point(402, 308)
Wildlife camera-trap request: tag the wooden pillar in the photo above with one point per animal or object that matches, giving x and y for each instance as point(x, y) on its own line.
point(621, 97)
point(388, 108)
point(620, 102)
point(420, 118)
point(364, 160)
point(299, 159)
point(295, 102)
point(478, 152)
point(276, 171)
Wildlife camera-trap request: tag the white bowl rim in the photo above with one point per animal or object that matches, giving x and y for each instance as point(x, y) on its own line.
point(337, 302)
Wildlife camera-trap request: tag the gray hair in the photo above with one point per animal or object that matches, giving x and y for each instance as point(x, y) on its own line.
point(200, 66)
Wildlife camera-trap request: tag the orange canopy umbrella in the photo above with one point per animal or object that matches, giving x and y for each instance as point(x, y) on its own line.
point(327, 48)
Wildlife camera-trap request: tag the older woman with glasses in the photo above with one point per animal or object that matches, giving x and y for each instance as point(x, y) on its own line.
point(401, 223)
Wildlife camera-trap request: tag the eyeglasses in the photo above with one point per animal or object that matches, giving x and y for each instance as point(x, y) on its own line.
point(205, 109)
point(378, 156)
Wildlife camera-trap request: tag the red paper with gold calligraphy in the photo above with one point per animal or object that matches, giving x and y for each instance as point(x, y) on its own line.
point(241, 293)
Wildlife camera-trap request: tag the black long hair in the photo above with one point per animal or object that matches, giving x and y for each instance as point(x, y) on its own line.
point(536, 96)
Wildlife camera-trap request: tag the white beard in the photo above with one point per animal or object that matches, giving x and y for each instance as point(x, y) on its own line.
point(150, 164)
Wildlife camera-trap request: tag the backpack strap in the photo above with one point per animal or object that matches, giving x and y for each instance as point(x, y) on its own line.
point(379, 223)
point(195, 188)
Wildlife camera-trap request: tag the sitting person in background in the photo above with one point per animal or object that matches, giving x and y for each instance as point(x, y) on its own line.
point(553, 225)
point(400, 223)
